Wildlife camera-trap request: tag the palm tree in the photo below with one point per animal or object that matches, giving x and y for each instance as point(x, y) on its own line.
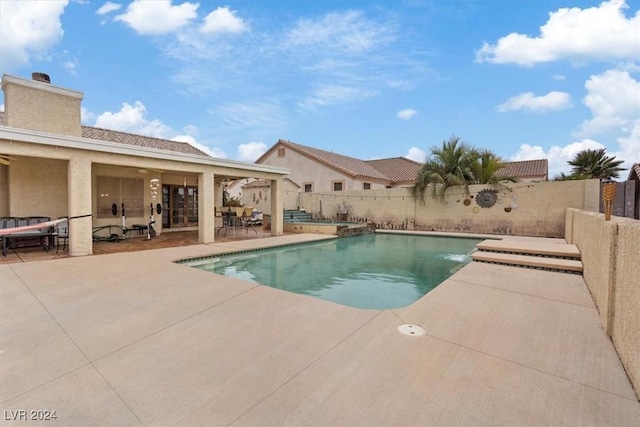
point(595, 164)
point(486, 167)
point(457, 163)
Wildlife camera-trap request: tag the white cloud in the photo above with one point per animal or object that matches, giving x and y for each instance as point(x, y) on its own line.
point(416, 154)
point(406, 114)
point(158, 17)
point(251, 151)
point(132, 119)
point(629, 146)
point(596, 33)
point(254, 116)
point(86, 116)
point(28, 30)
point(223, 20)
point(108, 7)
point(552, 101)
point(213, 152)
point(558, 77)
point(347, 32)
point(557, 156)
point(614, 100)
point(326, 95)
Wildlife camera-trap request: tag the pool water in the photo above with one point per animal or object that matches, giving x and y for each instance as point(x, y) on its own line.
point(374, 271)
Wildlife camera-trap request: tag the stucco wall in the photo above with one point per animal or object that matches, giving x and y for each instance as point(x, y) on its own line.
point(38, 187)
point(596, 240)
point(4, 191)
point(533, 209)
point(611, 257)
point(626, 307)
point(41, 107)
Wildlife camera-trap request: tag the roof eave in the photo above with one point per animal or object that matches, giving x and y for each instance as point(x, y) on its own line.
point(42, 138)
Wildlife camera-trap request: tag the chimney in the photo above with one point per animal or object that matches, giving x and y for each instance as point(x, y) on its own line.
point(41, 77)
point(40, 106)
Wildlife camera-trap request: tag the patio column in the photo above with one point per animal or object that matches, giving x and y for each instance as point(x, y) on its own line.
point(79, 197)
point(206, 207)
point(277, 206)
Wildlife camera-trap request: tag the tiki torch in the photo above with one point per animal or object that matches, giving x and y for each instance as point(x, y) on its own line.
point(608, 195)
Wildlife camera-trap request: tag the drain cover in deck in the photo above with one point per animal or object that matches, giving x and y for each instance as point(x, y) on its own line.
point(411, 330)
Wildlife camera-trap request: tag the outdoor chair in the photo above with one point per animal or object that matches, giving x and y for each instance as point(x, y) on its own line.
point(62, 232)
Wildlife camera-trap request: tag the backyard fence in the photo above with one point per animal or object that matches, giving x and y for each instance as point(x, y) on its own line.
point(525, 209)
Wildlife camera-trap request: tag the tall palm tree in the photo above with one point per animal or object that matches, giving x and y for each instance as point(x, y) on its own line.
point(485, 169)
point(457, 163)
point(595, 164)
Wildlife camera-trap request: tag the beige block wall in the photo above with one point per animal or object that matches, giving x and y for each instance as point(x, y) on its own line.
point(611, 256)
point(626, 306)
point(596, 240)
point(536, 209)
point(259, 197)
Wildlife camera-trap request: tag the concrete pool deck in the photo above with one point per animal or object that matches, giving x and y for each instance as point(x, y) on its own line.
point(134, 339)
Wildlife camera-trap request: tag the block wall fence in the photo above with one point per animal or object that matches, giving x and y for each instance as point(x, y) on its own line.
point(524, 209)
point(611, 257)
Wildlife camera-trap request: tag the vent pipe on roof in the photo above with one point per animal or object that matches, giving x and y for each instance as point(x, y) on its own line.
point(41, 77)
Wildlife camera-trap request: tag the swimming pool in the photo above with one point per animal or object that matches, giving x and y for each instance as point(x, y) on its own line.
point(374, 271)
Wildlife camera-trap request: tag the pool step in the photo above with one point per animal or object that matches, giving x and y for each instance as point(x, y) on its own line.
point(545, 256)
point(531, 248)
point(296, 216)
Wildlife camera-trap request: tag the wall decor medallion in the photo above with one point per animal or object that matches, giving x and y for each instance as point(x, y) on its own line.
point(487, 198)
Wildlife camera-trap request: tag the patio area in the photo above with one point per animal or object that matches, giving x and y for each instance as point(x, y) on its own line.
point(131, 338)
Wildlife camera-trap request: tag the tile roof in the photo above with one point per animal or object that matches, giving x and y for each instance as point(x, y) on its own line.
point(525, 168)
point(348, 165)
point(398, 169)
point(634, 172)
point(100, 134)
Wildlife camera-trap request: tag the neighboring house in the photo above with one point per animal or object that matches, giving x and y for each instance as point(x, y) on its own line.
point(256, 194)
point(634, 177)
point(316, 170)
point(51, 165)
point(526, 170)
point(319, 171)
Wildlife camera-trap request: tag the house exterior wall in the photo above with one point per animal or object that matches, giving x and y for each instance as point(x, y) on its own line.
point(609, 252)
point(4, 191)
point(41, 107)
point(304, 169)
point(37, 187)
point(537, 209)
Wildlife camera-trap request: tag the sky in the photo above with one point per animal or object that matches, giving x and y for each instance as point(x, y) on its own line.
point(368, 79)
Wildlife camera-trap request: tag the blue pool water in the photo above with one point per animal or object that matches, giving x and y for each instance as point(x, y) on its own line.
point(374, 271)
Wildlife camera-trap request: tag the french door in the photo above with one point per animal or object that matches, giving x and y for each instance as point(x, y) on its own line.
point(179, 206)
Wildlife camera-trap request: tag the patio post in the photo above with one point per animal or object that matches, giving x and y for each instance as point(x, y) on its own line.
point(80, 205)
point(277, 206)
point(206, 207)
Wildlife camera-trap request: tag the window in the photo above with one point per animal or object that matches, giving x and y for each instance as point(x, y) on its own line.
point(281, 152)
point(127, 193)
point(337, 186)
point(308, 188)
point(366, 186)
